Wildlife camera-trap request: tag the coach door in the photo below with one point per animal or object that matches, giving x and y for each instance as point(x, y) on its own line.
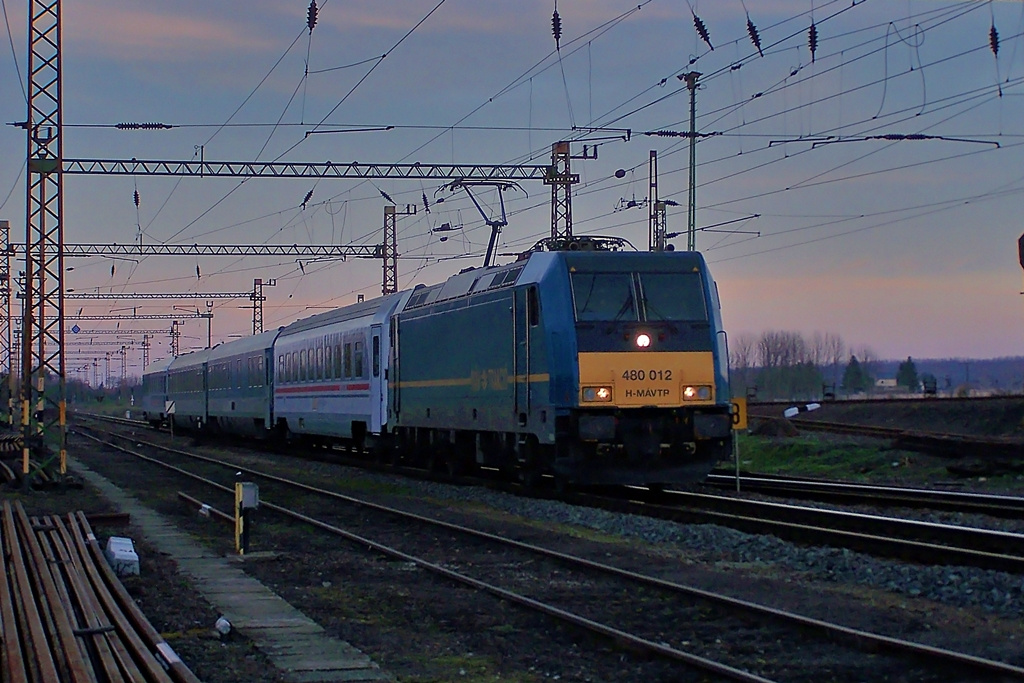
point(378, 385)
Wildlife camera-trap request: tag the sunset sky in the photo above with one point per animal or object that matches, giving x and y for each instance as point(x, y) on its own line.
point(827, 221)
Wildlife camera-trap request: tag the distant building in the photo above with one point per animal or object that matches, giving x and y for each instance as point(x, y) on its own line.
point(885, 384)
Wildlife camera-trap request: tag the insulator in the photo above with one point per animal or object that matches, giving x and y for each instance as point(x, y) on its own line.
point(305, 200)
point(142, 126)
point(993, 40)
point(702, 31)
point(426, 206)
point(556, 27)
point(136, 199)
point(311, 16)
point(199, 275)
point(386, 196)
point(812, 40)
point(755, 37)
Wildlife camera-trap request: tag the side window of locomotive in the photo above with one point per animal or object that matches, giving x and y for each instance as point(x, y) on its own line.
point(603, 297)
point(533, 306)
point(673, 296)
point(357, 359)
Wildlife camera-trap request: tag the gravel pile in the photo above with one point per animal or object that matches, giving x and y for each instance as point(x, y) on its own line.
point(999, 593)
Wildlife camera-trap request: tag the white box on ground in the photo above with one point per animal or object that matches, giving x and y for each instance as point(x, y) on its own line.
point(121, 555)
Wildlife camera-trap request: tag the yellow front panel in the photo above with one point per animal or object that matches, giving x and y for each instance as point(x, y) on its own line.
point(646, 378)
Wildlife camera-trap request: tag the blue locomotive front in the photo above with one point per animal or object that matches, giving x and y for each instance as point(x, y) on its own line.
point(595, 366)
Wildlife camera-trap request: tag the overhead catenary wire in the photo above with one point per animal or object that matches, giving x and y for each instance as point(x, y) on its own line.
point(820, 57)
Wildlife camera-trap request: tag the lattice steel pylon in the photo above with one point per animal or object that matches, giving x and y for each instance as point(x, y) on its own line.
point(43, 414)
point(258, 298)
point(389, 283)
point(561, 181)
point(6, 348)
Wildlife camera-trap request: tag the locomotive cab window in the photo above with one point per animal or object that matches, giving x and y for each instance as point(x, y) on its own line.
point(610, 297)
point(672, 296)
point(603, 297)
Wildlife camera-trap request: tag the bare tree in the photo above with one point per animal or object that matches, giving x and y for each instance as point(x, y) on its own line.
point(867, 358)
point(741, 359)
point(835, 353)
point(816, 349)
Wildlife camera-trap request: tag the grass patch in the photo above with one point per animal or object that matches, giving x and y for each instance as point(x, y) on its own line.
point(810, 456)
point(468, 668)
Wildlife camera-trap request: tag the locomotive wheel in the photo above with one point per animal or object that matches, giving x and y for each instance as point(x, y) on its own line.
point(454, 465)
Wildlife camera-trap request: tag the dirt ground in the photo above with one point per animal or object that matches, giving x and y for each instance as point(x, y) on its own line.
point(995, 417)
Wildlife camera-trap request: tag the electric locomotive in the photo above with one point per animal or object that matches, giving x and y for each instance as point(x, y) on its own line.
point(594, 365)
point(579, 360)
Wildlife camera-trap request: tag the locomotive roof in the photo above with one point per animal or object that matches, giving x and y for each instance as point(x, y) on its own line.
point(634, 260)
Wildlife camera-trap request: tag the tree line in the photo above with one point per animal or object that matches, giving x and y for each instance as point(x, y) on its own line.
point(788, 365)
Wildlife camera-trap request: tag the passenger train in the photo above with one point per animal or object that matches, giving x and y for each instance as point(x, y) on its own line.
point(591, 364)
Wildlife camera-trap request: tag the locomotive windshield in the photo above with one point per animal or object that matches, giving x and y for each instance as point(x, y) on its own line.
point(608, 297)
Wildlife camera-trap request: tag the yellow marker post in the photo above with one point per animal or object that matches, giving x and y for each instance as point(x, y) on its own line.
point(739, 421)
point(247, 499)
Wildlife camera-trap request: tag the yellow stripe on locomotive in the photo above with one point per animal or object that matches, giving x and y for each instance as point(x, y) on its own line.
point(634, 380)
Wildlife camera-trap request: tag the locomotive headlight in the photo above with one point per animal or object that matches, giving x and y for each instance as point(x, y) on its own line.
point(697, 393)
point(643, 340)
point(597, 394)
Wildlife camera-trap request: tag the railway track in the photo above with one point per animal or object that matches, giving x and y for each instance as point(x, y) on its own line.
point(910, 540)
point(883, 536)
point(551, 584)
point(844, 493)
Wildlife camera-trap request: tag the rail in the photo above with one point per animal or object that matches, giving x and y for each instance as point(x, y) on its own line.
point(65, 615)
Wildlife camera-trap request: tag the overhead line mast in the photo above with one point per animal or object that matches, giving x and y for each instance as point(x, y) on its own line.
point(43, 414)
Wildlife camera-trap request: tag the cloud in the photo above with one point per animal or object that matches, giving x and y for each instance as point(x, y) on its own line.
point(143, 32)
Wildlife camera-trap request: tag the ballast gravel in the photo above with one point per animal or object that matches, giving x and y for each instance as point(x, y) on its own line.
point(999, 593)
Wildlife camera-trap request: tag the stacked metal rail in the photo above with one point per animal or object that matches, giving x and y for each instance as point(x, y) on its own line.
point(65, 616)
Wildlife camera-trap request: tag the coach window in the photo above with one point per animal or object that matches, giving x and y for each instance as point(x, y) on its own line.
point(328, 363)
point(376, 356)
point(348, 360)
point(302, 365)
point(337, 360)
point(358, 359)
